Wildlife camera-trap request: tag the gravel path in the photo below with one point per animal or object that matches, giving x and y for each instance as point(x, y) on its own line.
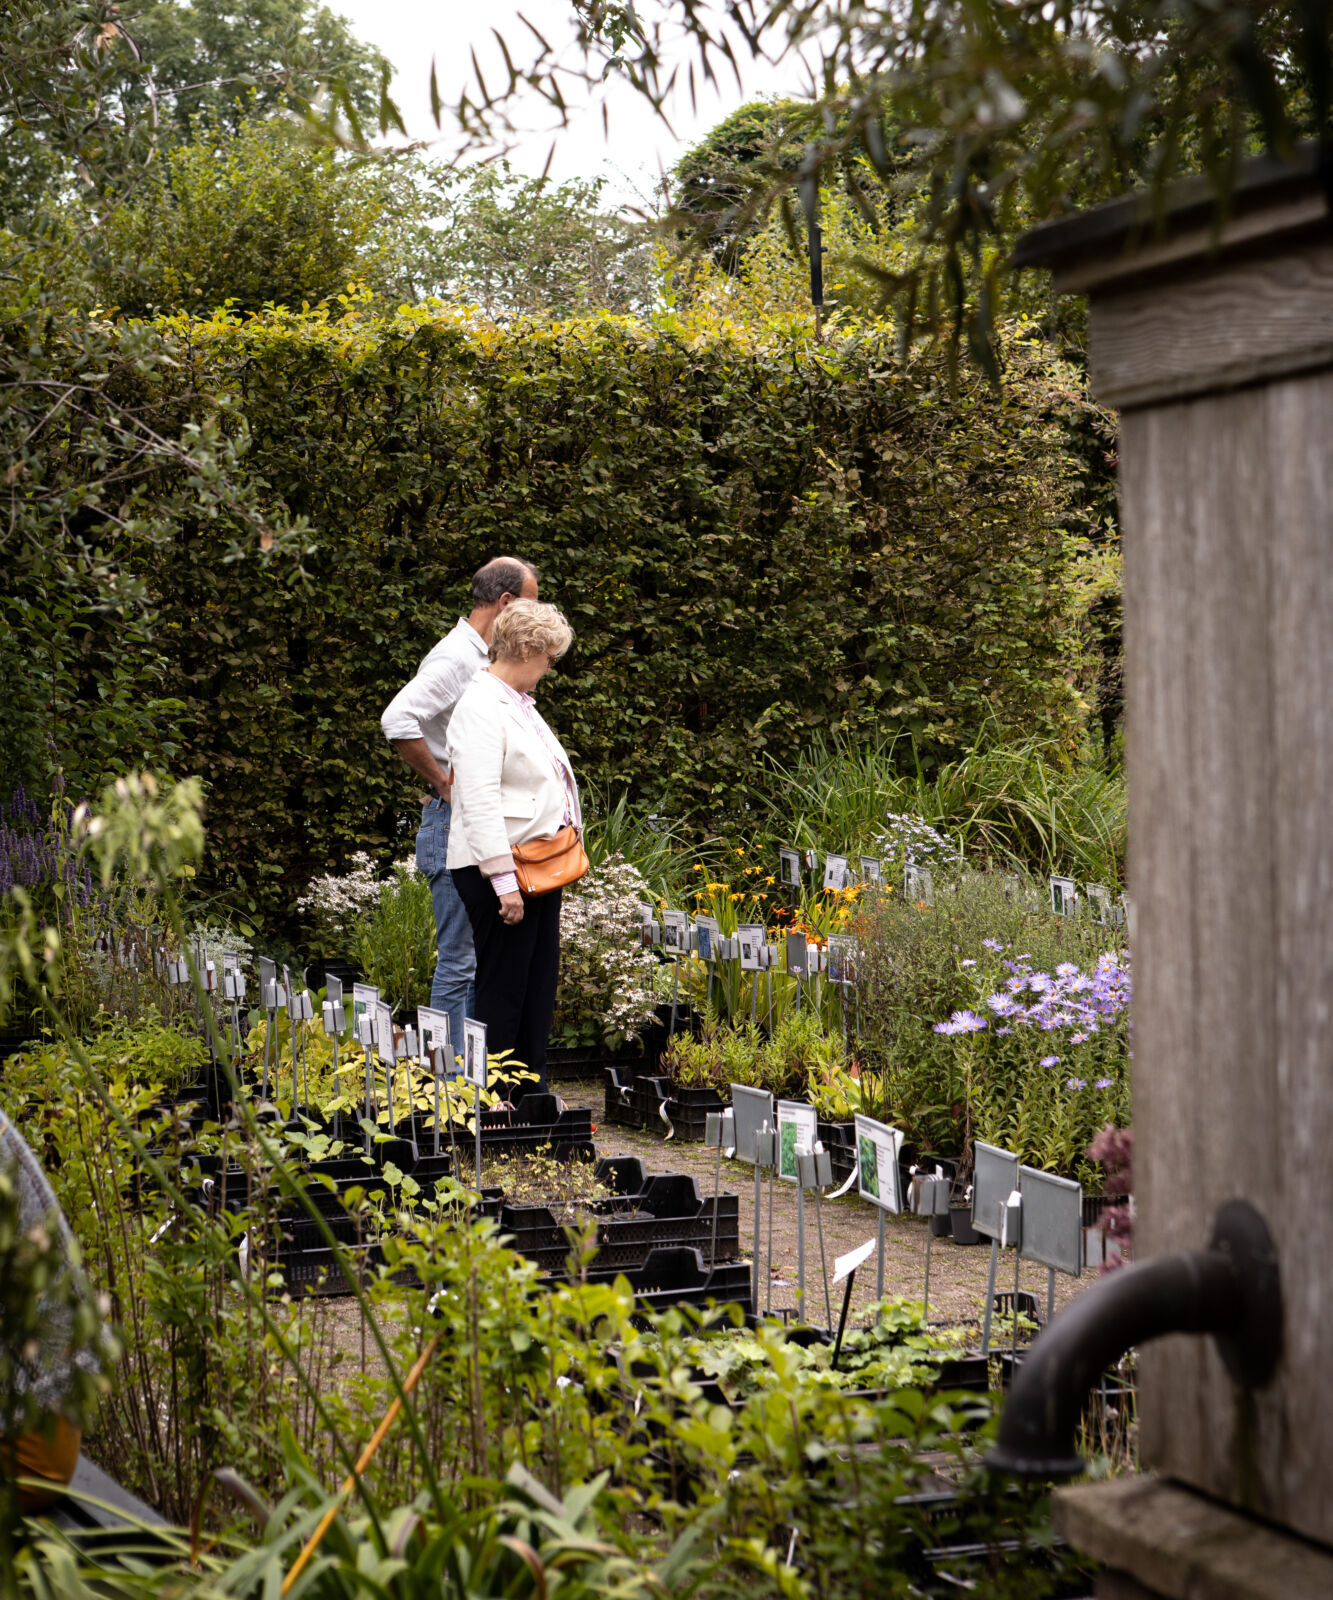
point(957, 1272)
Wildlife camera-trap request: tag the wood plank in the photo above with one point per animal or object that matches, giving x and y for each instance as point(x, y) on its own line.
point(1211, 330)
point(1159, 573)
point(1301, 1179)
point(1181, 1546)
point(1229, 677)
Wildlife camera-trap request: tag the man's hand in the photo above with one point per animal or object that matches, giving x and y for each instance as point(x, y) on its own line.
point(511, 909)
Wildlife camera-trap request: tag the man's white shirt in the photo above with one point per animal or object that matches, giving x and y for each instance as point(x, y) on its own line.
point(422, 709)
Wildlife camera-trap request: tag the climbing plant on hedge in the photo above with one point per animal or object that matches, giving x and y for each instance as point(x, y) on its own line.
point(755, 537)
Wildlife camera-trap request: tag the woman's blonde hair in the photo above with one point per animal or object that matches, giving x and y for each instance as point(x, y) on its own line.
point(527, 628)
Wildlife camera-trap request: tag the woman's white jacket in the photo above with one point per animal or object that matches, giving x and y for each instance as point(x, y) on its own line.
point(506, 790)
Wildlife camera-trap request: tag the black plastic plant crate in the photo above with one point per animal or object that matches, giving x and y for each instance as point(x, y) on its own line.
point(619, 1105)
point(650, 1102)
point(688, 1109)
point(590, 1061)
point(668, 1212)
point(678, 1275)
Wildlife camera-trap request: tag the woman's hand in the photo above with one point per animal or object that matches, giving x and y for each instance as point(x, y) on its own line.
point(511, 909)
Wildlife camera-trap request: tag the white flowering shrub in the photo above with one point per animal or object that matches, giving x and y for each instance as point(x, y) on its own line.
point(607, 990)
point(386, 926)
point(336, 905)
point(910, 841)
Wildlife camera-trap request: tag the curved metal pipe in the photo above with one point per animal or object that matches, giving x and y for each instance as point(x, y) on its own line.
point(1231, 1290)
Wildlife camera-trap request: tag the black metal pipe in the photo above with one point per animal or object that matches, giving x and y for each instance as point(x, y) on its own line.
point(1186, 1293)
point(1230, 1290)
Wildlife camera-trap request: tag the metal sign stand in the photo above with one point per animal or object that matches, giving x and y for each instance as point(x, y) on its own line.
point(268, 991)
point(475, 1069)
point(335, 1019)
point(879, 1263)
point(410, 1062)
point(365, 1034)
point(763, 1156)
point(453, 1137)
point(990, 1294)
point(719, 1131)
point(813, 1171)
point(293, 1010)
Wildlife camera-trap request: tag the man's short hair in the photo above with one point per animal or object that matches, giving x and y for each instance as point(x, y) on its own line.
point(500, 577)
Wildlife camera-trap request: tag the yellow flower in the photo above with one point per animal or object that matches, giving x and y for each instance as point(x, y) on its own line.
point(698, 866)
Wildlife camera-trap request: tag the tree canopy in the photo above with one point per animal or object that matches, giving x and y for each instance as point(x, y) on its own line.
point(1010, 114)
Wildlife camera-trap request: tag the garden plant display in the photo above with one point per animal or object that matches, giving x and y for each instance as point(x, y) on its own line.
point(271, 1388)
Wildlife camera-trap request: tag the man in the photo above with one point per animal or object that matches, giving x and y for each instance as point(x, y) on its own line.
point(416, 724)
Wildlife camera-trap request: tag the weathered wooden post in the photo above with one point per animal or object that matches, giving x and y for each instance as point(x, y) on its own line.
point(1216, 345)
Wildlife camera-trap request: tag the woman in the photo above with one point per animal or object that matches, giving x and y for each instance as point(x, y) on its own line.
point(513, 784)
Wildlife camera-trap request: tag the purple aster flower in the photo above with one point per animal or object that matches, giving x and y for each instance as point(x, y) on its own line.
point(992, 944)
point(1076, 1083)
point(968, 963)
point(1050, 1061)
point(1102, 1083)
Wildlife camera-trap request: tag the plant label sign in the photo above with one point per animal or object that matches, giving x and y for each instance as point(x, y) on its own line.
point(752, 1109)
point(994, 1180)
point(841, 959)
point(798, 1126)
point(675, 933)
point(474, 1051)
point(1099, 904)
point(365, 998)
point(335, 1018)
point(365, 1030)
point(878, 1147)
point(707, 937)
point(433, 1033)
point(1064, 897)
point(844, 1266)
point(918, 885)
point(836, 872)
point(1052, 1220)
point(789, 869)
point(384, 1041)
point(303, 1007)
point(333, 990)
point(872, 870)
point(798, 956)
point(751, 937)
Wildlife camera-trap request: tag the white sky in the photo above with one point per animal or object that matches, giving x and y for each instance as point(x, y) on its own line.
point(410, 32)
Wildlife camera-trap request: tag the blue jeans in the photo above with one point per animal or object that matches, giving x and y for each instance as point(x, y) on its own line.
point(455, 960)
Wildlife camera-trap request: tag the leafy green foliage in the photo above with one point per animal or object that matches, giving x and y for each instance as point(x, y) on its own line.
point(1009, 117)
point(520, 246)
point(1041, 1093)
point(755, 539)
point(247, 216)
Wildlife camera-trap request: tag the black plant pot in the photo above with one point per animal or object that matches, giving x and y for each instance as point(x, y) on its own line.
point(960, 1221)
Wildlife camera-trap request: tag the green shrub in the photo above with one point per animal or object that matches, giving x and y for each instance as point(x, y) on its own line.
point(757, 540)
point(925, 965)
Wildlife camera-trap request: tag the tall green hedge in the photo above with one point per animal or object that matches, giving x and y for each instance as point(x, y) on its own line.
point(755, 537)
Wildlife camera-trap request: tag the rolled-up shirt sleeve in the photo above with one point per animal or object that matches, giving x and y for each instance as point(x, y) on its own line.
point(434, 691)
